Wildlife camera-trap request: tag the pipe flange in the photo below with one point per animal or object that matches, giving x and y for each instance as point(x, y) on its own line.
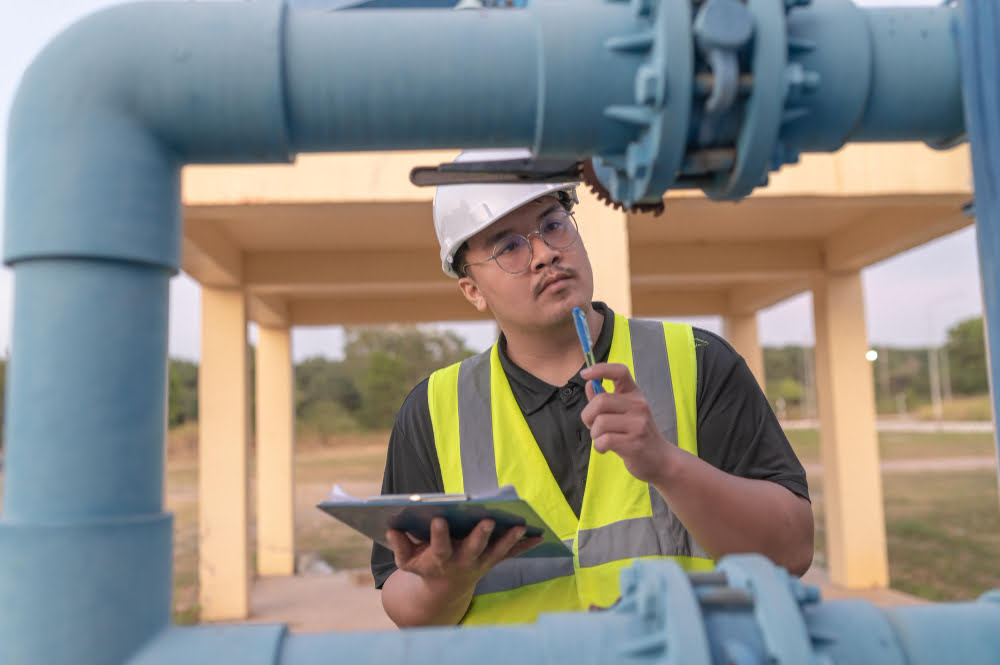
point(777, 605)
point(650, 162)
point(659, 594)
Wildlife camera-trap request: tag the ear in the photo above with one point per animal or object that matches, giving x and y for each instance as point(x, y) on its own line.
point(472, 293)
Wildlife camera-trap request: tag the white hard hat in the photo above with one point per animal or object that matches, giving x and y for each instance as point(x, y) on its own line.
point(462, 211)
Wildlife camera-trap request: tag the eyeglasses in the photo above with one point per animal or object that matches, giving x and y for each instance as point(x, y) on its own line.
point(513, 253)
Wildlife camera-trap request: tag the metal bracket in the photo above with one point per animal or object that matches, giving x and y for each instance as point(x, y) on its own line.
point(505, 171)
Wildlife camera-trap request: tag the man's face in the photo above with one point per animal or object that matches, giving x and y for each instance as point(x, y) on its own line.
point(545, 293)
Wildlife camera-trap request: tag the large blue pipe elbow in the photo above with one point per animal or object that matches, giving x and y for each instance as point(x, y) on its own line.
point(101, 125)
point(112, 109)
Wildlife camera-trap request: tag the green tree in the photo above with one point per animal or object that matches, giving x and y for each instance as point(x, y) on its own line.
point(182, 405)
point(387, 361)
point(383, 386)
point(967, 357)
point(787, 389)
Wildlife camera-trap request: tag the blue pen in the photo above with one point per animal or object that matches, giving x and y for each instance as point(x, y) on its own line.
point(583, 332)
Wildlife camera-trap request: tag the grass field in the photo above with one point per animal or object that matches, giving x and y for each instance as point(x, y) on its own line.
point(943, 527)
point(903, 445)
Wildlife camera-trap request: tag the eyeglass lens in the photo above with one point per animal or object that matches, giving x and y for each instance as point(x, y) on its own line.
point(513, 253)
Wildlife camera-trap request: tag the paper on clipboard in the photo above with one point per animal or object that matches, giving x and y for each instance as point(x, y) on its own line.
point(413, 513)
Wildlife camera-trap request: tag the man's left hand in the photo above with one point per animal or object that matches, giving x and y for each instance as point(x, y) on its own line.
point(623, 422)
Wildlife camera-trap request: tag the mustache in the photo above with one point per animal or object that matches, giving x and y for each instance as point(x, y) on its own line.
point(567, 273)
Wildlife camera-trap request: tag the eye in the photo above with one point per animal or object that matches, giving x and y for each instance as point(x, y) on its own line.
point(553, 225)
point(507, 245)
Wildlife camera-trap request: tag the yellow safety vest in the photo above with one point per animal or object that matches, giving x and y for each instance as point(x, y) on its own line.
point(483, 442)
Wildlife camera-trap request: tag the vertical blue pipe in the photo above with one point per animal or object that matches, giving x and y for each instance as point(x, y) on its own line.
point(979, 34)
point(68, 367)
point(102, 122)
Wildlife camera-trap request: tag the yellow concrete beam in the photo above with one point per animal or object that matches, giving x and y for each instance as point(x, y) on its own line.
point(275, 453)
point(364, 176)
point(754, 296)
point(223, 413)
point(880, 236)
point(652, 301)
point(268, 310)
point(868, 169)
point(210, 256)
point(681, 263)
point(852, 483)
point(284, 271)
point(741, 331)
point(399, 308)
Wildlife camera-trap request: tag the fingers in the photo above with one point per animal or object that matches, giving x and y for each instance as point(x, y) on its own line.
point(611, 441)
point(402, 548)
point(604, 403)
point(440, 546)
point(496, 552)
point(523, 546)
point(476, 542)
point(616, 372)
point(612, 423)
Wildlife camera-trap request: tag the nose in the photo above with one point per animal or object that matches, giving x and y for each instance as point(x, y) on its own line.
point(541, 254)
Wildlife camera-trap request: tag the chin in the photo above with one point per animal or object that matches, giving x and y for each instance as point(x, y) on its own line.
point(558, 306)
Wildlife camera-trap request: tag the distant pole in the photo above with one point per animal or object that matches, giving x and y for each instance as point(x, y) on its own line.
point(883, 374)
point(945, 373)
point(935, 372)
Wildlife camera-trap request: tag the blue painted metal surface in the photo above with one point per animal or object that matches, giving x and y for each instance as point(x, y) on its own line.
point(112, 109)
point(747, 612)
point(981, 79)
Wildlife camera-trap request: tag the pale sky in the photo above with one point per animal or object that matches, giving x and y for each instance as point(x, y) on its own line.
point(911, 299)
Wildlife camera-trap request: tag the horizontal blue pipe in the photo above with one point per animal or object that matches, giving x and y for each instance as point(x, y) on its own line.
point(455, 79)
point(882, 74)
point(916, 88)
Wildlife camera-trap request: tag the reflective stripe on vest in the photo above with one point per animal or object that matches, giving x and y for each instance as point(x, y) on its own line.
point(609, 530)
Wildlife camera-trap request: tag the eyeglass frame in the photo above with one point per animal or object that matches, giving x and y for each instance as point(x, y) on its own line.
point(531, 250)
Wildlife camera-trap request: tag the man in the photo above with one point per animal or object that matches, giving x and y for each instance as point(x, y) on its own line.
point(682, 459)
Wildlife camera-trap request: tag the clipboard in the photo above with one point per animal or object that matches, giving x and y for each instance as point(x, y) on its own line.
point(413, 513)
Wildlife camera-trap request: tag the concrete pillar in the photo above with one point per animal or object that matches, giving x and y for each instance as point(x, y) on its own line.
point(740, 330)
point(275, 453)
point(223, 426)
point(852, 481)
point(605, 234)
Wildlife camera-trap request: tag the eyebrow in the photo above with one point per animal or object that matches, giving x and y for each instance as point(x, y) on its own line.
point(494, 237)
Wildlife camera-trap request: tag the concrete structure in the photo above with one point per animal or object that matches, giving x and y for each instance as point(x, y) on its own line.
point(346, 239)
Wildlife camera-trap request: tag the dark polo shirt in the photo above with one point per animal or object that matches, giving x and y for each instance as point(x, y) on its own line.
point(737, 430)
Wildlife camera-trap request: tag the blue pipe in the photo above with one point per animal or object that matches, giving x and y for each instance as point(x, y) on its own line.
point(864, 86)
point(980, 30)
point(501, 78)
point(748, 611)
point(103, 121)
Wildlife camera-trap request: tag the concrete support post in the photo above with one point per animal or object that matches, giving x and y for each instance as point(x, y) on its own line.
point(223, 417)
point(275, 453)
point(740, 330)
point(604, 231)
point(852, 481)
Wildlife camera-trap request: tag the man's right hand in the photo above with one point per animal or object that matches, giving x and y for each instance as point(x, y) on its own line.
point(455, 566)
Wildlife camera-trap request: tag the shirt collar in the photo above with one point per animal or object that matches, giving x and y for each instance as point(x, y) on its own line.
point(531, 392)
